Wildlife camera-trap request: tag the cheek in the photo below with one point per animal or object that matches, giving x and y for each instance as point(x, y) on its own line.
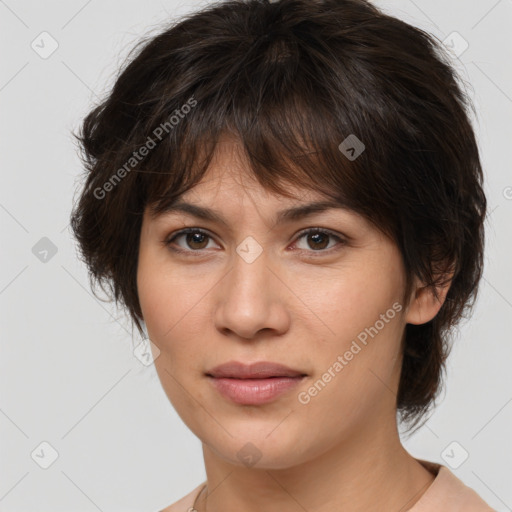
point(358, 354)
point(173, 304)
point(352, 298)
point(356, 374)
point(170, 303)
point(161, 292)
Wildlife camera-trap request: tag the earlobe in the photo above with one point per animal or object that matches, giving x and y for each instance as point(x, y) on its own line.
point(424, 305)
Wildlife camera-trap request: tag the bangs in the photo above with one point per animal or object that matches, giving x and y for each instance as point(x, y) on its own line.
point(289, 128)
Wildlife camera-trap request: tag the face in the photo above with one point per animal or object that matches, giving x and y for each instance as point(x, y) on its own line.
point(326, 304)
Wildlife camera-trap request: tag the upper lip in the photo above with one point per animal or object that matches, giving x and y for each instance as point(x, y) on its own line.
point(258, 370)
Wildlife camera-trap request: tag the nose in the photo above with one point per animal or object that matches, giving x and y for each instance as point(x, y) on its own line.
point(251, 298)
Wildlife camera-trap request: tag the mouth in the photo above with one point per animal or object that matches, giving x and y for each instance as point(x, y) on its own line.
point(253, 384)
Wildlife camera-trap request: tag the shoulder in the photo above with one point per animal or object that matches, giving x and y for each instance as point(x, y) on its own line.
point(447, 493)
point(185, 503)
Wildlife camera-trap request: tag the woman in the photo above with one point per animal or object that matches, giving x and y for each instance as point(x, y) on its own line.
point(287, 198)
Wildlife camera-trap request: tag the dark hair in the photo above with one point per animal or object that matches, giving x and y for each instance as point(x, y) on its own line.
point(292, 80)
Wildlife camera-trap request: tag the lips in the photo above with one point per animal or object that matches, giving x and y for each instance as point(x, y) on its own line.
point(258, 370)
point(254, 384)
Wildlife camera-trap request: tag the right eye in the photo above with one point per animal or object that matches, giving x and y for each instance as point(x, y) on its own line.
point(195, 238)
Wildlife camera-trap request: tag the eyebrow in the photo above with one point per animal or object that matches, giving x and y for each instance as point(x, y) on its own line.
point(288, 215)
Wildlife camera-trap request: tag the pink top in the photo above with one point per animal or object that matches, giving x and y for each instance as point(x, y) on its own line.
point(445, 494)
point(448, 494)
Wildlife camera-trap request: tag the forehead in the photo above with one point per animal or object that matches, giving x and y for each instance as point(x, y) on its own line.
point(227, 196)
point(229, 177)
point(229, 191)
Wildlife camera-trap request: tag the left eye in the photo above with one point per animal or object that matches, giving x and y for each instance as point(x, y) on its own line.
point(317, 239)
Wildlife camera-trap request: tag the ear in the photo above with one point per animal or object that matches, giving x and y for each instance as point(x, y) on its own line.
point(423, 305)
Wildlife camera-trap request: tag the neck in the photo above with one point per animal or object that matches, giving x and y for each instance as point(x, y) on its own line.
point(364, 472)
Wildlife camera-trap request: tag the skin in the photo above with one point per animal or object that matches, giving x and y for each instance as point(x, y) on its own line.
point(301, 303)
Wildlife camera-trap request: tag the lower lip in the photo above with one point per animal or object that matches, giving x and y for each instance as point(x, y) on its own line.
point(254, 391)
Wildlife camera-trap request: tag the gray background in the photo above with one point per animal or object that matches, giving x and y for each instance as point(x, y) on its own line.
point(68, 373)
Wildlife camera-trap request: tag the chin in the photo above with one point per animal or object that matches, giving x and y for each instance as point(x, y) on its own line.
point(259, 445)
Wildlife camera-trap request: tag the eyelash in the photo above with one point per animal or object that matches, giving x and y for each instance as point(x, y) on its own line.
point(310, 231)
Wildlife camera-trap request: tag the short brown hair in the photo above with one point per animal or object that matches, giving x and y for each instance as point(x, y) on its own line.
point(293, 79)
